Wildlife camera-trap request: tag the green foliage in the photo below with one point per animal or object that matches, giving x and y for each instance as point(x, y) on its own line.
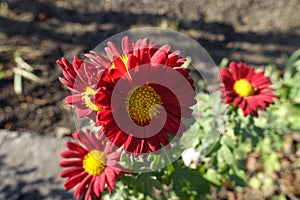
point(189, 184)
point(146, 182)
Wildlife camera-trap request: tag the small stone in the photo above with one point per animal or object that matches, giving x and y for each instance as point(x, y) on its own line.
point(62, 131)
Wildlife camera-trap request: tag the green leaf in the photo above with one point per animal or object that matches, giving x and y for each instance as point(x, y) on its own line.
point(187, 63)
point(227, 155)
point(292, 59)
point(238, 176)
point(17, 83)
point(268, 182)
point(296, 64)
point(190, 137)
point(22, 64)
point(170, 169)
point(222, 166)
point(271, 162)
point(215, 147)
point(7, 48)
point(27, 74)
point(146, 182)
point(279, 197)
point(229, 141)
point(224, 62)
point(255, 182)
point(155, 162)
point(120, 192)
point(189, 183)
point(211, 176)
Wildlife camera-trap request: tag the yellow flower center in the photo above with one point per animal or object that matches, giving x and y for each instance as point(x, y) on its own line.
point(86, 97)
point(94, 162)
point(243, 88)
point(142, 104)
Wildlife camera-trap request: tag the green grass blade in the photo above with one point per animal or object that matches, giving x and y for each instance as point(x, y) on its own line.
point(17, 83)
point(27, 74)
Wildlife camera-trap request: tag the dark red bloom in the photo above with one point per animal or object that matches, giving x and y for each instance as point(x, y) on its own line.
point(246, 88)
point(144, 95)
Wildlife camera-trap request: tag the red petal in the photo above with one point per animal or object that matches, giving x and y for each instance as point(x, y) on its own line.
point(71, 172)
point(242, 70)
point(82, 185)
point(153, 143)
point(163, 138)
point(98, 59)
point(112, 51)
point(234, 70)
point(70, 163)
point(74, 180)
point(110, 176)
point(237, 101)
point(76, 147)
point(127, 45)
point(119, 138)
point(65, 82)
point(90, 193)
point(71, 154)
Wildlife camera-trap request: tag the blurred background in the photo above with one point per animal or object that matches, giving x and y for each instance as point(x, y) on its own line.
point(38, 32)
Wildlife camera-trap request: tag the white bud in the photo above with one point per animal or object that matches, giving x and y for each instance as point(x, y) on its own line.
point(190, 156)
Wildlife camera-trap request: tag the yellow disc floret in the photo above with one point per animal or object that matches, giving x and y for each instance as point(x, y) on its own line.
point(243, 88)
point(142, 104)
point(87, 100)
point(94, 162)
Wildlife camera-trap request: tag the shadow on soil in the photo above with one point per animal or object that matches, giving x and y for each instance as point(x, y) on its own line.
point(20, 189)
point(123, 21)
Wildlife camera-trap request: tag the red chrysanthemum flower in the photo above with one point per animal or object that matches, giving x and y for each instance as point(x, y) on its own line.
point(81, 77)
point(93, 166)
point(246, 88)
point(144, 95)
